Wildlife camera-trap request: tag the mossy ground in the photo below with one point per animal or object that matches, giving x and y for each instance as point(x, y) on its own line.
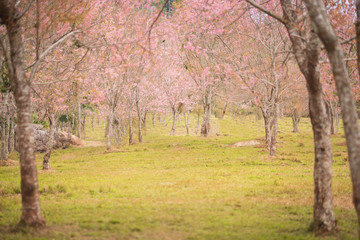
point(182, 187)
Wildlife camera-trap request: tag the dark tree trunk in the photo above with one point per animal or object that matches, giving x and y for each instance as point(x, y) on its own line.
point(50, 143)
point(31, 214)
point(318, 14)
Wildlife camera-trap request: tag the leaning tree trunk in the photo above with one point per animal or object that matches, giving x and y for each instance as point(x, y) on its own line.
point(206, 125)
point(318, 14)
point(31, 214)
point(307, 56)
point(173, 128)
point(50, 143)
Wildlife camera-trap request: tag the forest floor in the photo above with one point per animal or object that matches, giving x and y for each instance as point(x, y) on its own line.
point(182, 187)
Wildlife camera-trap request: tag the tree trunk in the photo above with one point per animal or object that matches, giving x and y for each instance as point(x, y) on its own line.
point(131, 117)
point(50, 143)
point(173, 128)
point(109, 128)
point(186, 120)
point(224, 110)
point(118, 130)
point(92, 122)
point(318, 14)
point(206, 125)
point(4, 127)
point(295, 120)
point(12, 134)
point(153, 120)
point(267, 125)
point(307, 56)
point(31, 214)
point(83, 124)
point(144, 122)
point(79, 119)
point(274, 129)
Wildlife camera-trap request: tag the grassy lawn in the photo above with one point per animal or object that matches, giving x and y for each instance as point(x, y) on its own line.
point(183, 187)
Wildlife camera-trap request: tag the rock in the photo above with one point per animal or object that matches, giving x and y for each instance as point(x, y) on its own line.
point(61, 139)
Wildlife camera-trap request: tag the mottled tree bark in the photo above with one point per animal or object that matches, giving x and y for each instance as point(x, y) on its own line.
point(31, 215)
point(307, 56)
point(50, 142)
point(326, 33)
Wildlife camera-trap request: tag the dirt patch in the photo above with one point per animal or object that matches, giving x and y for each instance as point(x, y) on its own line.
point(8, 162)
point(245, 143)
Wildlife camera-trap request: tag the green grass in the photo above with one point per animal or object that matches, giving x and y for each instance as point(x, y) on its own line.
point(182, 187)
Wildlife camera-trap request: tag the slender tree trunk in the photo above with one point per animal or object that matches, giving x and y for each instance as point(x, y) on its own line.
point(144, 122)
point(198, 122)
point(131, 117)
point(206, 125)
point(118, 129)
point(295, 120)
point(224, 110)
point(83, 124)
point(186, 120)
point(110, 128)
point(50, 143)
point(4, 127)
point(274, 129)
point(153, 120)
point(267, 125)
point(318, 14)
point(79, 119)
point(12, 134)
point(31, 214)
point(173, 128)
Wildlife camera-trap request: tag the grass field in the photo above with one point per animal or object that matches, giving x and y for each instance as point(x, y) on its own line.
point(183, 187)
